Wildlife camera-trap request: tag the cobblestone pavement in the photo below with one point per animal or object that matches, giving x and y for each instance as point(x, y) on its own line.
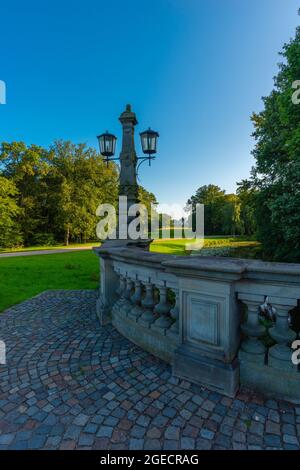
point(71, 384)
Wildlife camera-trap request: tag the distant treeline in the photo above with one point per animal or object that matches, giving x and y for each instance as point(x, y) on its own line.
point(51, 195)
point(226, 214)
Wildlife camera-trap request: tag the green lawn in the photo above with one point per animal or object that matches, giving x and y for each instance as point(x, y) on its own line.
point(24, 277)
point(237, 247)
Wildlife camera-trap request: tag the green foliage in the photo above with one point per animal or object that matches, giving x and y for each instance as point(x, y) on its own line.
point(9, 229)
point(213, 198)
point(231, 215)
point(54, 193)
point(277, 154)
point(26, 167)
point(43, 239)
point(223, 213)
point(247, 198)
point(78, 183)
point(147, 198)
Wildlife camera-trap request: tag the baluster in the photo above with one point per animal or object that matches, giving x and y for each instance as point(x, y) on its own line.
point(136, 298)
point(280, 355)
point(129, 286)
point(122, 285)
point(252, 349)
point(174, 313)
point(148, 303)
point(162, 309)
point(126, 305)
point(120, 290)
point(137, 295)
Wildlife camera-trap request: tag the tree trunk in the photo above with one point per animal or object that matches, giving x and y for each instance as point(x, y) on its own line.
point(67, 236)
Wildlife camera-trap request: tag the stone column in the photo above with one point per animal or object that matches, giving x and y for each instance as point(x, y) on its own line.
point(128, 182)
point(128, 186)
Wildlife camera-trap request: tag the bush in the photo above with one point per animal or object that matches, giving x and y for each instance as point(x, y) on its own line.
point(45, 239)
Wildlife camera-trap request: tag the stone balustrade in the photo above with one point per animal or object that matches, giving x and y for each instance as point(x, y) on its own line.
point(204, 316)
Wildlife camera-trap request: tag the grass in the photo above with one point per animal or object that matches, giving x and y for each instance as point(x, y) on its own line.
point(239, 246)
point(24, 277)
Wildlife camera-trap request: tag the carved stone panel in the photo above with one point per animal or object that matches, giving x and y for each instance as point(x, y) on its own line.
point(204, 322)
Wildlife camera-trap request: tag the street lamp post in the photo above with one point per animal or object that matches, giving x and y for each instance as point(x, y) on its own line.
point(128, 159)
point(129, 162)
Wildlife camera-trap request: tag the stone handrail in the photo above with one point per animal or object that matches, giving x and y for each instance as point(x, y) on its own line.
point(188, 311)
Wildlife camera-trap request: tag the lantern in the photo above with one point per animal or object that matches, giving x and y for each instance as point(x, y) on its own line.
point(107, 144)
point(149, 141)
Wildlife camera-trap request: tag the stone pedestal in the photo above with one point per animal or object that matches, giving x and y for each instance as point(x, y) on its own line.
point(212, 373)
point(208, 324)
point(109, 283)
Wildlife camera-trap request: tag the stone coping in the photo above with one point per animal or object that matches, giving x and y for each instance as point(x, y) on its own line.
point(136, 255)
point(207, 266)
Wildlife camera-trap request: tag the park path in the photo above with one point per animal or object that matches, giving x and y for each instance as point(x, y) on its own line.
point(69, 383)
point(42, 252)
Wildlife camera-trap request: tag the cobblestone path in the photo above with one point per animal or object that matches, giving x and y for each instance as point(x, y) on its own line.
point(71, 384)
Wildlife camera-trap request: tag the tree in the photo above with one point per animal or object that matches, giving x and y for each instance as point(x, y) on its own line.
point(26, 166)
point(147, 198)
point(231, 215)
point(9, 210)
point(247, 197)
point(213, 199)
point(79, 182)
point(277, 153)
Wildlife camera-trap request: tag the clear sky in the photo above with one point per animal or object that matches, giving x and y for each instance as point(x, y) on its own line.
point(194, 70)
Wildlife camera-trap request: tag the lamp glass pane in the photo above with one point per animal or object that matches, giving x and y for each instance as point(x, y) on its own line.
point(152, 143)
point(102, 144)
point(145, 143)
point(107, 145)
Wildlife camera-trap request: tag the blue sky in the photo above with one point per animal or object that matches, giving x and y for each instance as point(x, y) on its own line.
point(194, 70)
